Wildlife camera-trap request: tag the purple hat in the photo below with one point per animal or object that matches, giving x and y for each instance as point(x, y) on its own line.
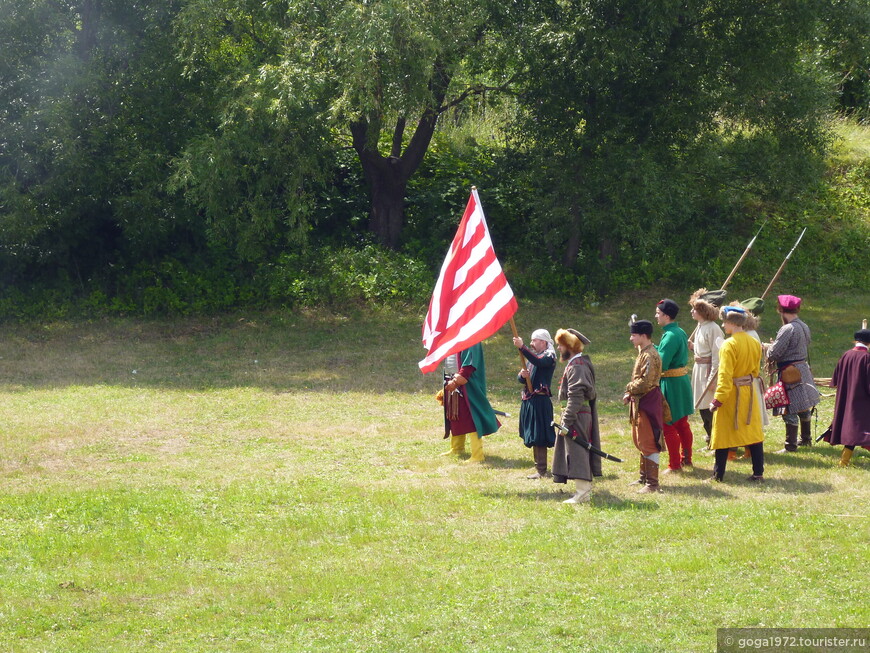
point(789, 303)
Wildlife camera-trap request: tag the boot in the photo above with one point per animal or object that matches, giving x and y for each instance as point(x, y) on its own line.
point(846, 457)
point(732, 454)
point(642, 479)
point(652, 478)
point(457, 446)
point(806, 434)
point(583, 493)
point(476, 449)
point(791, 431)
point(540, 455)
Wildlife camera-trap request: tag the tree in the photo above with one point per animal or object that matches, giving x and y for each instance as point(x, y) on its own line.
point(645, 122)
point(92, 110)
point(371, 75)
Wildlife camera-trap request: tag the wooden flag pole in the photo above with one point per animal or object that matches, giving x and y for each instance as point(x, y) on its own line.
point(522, 358)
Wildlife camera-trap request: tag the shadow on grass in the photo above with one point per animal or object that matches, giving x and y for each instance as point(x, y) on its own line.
point(705, 490)
point(493, 460)
point(608, 501)
point(816, 458)
point(793, 486)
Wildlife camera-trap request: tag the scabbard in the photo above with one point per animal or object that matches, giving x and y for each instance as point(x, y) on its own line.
point(586, 444)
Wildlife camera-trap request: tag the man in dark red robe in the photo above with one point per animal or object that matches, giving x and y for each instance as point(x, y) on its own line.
point(851, 425)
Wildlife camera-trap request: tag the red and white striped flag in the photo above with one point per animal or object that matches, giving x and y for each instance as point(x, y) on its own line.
point(472, 298)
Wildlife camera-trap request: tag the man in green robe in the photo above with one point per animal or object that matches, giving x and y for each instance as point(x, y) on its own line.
point(468, 410)
point(676, 386)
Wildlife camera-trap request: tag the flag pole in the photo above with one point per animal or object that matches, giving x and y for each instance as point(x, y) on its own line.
point(522, 358)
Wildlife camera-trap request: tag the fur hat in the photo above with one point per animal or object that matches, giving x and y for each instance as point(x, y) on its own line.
point(863, 335)
point(643, 327)
point(572, 339)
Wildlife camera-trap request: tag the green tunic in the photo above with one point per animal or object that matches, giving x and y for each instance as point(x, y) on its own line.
point(673, 349)
point(481, 412)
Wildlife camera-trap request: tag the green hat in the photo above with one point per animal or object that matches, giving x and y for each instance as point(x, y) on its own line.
point(715, 297)
point(754, 305)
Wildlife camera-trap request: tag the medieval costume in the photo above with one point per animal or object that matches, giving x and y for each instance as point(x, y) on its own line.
point(789, 353)
point(536, 410)
point(467, 410)
point(645, 402)
point(851, 425)
point(579, 417)
point(707, 339)
point(737, 420)
point(676, 387)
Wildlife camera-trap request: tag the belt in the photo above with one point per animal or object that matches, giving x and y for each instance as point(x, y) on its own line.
point(677, 371)
point(703, 360)
point(741, 381)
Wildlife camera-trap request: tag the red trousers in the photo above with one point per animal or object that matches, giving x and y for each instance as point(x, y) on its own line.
point(678, 440)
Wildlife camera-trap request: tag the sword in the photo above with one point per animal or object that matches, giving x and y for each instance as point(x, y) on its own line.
point(586, 445)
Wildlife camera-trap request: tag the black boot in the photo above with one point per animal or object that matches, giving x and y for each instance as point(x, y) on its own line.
point(791, 431)
point(806, 433)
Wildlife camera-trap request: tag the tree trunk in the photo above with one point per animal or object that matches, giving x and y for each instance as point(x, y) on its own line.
point(387, 213)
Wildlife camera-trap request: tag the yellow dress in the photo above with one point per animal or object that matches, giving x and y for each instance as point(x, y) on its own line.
point(738, 359)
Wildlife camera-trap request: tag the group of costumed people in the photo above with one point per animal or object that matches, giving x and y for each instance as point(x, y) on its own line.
point(726, 386)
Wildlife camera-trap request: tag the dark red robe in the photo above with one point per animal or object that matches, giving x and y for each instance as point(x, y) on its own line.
point(851, 425)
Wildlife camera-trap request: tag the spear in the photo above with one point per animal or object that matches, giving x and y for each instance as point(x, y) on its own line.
point(734, 271)
point(745, 253)
point(781, 267)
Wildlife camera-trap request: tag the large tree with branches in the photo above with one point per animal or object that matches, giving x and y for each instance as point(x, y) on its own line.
point(372, 75)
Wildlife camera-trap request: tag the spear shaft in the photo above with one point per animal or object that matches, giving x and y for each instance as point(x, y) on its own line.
point(781, 267)
point(745, 254)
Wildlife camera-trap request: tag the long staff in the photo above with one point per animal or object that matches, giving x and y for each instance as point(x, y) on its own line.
point(781, 267)
point(734, 271)
point(745, 253)
point(522, 358)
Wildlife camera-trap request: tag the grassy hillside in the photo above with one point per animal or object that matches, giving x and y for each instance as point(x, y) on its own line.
point(272, 481)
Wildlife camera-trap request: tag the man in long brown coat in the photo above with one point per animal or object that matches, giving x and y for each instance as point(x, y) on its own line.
point(579, 417)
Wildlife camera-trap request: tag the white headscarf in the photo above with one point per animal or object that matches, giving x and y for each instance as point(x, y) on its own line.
point(543, 334)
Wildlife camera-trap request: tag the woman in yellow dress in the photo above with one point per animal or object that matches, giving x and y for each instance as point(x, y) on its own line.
point(736, 415)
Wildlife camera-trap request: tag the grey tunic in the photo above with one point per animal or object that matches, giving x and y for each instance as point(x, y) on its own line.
point(792, 346)
point(577, 389)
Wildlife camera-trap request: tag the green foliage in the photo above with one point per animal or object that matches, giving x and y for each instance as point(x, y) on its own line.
point(371, 276)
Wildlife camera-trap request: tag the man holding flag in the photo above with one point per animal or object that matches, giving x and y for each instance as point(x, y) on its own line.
point(471, 301)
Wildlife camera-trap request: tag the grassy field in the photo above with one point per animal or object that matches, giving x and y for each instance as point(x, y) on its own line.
point(271, 482)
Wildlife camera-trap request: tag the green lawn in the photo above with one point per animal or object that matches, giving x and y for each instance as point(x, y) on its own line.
point(271, 482)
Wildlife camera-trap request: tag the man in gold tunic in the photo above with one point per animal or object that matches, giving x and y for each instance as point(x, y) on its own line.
point(645, 401)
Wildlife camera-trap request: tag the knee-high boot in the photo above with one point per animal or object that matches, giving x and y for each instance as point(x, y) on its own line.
point(540, 455)
point(642, 479)
point(806, 433)
point(791, 431)
point(652, 478)
point(476, 449)
point(457, 446)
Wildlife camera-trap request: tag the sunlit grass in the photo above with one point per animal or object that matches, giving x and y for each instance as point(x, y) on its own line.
point(272, 482)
